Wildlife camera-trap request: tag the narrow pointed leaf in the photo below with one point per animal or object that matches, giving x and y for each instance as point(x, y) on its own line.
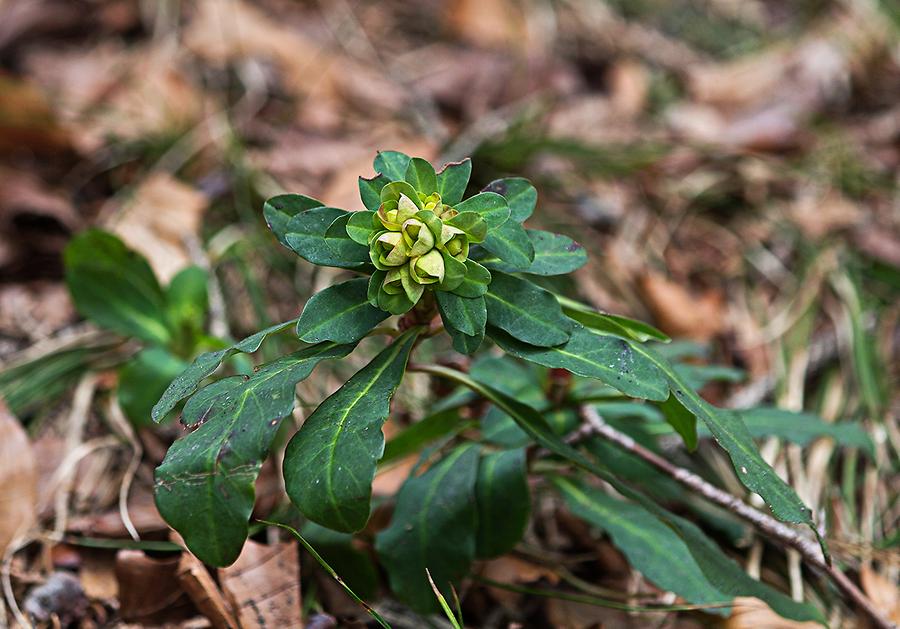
point(279, 210)
point(391, 164)
point(340, 313)
point(512, 246)
point(612, 324)
point(114, 286)
point(421, 176)
point(468, 316)
point(651, 547)
point(452, 181)
point(519, 194)
point(610, 359)
point(205, 485)
point(682, 420)
point(492, 207)
point(203, 366)
point(370, 190)
point(729, 577)
point(527, 312)
point(504, 502)
point(330, 463)
point(433, 528)
point(305, 234)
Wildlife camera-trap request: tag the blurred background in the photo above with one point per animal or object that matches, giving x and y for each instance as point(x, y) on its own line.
point(730, 165)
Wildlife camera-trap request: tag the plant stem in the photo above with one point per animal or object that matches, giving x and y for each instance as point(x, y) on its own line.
point(808, 549)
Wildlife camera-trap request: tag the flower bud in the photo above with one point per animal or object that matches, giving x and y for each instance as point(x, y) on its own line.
point(454, 241)
point(389, 250)
point(417, 237)
point(393, 214)
point(427, 269)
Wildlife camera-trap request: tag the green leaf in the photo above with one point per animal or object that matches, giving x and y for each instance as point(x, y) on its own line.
point(452, 181)
point(802, 428)
point(476, 281)
point(682, 420)
point(732, 435)
point(278, 212)
point(330, 463)
point(512, 246)
point(610, 359)
point(355, 566)
point(612, 324)
point(504, 502)
point(472, 223)
point(727, 575)
point(391, 164)
point(340, 313)
point(413, 438)
point(187, 301)
point(652, 548)
point(393, 190)
point(186, 383)
point(454, 273)
point(433, 528)
point(554, 254)
point(370, 190)
point(143, 380)
point(519, 194)
point(115, 287)
point(492, 207)
point(360, 226)
point(338, 239)
point(305, 235)
point(205, 485)
point(420, 175)
point(527, 312)
point(468, 316)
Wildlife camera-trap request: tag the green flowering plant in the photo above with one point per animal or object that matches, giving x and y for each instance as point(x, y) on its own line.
point(442, 261)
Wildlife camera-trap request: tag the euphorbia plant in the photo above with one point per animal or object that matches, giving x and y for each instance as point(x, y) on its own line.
point(440, 261)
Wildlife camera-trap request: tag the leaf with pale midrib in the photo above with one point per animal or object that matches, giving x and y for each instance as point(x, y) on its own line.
point(433, 527)
point(527, 312)
point(205, 485)
point(340, 313)
point(330, 463)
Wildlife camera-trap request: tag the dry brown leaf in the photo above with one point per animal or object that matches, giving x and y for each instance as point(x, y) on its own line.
point(202, 589)
point(263, 585)
point(510, 569)
point(163, 215)
point(885, 594)
point(490, 23)
point(27, 120)
point(141, 509)
point(18, 479)
point(681, 313)
point(149, 591)
point(98, 576)
point(629, 84)
point(819, 216)
point(752, 613)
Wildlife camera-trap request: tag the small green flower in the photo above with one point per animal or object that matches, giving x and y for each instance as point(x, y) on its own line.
point(393, 214)
point(455, 242)
point(427, 269)
point(417, 237)
point(388, 250)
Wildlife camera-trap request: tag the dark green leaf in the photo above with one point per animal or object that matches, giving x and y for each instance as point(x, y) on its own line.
point(278, 212)
point(419, 434)
point(186, 383)
point(519, 194)
point(370, 190)
point(391, 164)
point(340, 313)
point(433, 528)
point(476, 281)
point(143, 379)
point(682, 420)
point(452, 181)
point(492, 207)
point(652, 548)
point(338, 239)
point(354, 566)
point(420, 175)
point(330, 463)
point(512, 247)
point(609, 359)
point(612, 324)
point(205, 485)
point(504, 502)
point(305, 234)
point(114, 286)
point(468, 316)
point(527, 312)
point(802, 428)
point(360, 226)
point(187, 301)
point(553, 255)
point(719, 569)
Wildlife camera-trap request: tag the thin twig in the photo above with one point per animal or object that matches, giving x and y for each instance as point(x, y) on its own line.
point(808, 549)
